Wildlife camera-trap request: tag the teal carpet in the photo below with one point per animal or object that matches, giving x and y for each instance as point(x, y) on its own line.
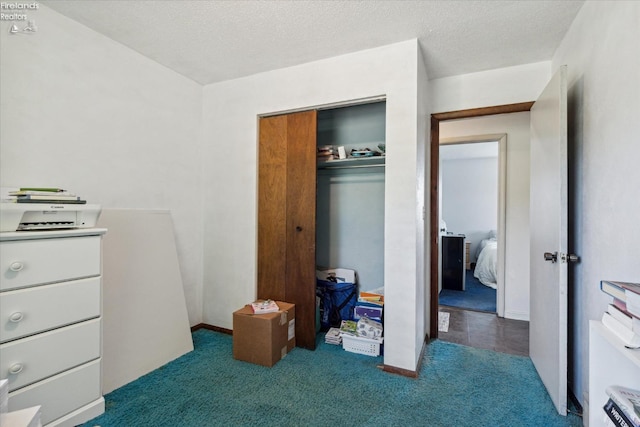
point(457, 386)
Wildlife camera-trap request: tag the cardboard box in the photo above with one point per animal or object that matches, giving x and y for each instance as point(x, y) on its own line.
point(264, 339)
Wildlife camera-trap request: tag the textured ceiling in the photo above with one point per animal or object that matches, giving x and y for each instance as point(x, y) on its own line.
point(212, 41)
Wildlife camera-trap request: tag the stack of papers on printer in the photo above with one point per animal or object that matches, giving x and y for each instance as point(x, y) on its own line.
point(43, 195)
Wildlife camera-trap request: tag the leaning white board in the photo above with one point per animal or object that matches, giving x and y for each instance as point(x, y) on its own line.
point(144, 311)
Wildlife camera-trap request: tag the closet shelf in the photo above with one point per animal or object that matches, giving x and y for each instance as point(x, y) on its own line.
point(353, 162)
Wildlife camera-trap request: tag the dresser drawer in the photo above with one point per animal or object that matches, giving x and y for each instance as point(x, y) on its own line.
point(34, 358)
point(28, 311)
point(33, 262)
point(61, 394)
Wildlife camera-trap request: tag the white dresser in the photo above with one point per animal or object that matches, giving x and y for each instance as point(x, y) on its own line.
point(50, 322)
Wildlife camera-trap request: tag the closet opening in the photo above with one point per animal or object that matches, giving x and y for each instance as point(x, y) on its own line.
point(350, 200)
point(321, 205)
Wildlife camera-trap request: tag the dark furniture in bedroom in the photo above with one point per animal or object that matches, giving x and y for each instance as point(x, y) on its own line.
point(453, 262)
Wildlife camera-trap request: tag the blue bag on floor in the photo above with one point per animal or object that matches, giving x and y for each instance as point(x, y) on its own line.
point(337, 301)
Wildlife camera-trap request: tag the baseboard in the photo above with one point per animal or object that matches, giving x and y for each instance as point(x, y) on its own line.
point(211, 328)
point(421, 357)
point(80, 415)
point(585, 409)
point(400, 371)
point(407, 372)
point(516, 315)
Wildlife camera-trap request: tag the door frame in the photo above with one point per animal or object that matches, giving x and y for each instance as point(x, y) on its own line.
point(434, 222)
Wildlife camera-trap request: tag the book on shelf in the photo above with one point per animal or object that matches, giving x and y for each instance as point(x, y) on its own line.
point(627, 292)
point(43, 195)
point(622, 306)
point(627, 319)
point(263, 307)
point(627, 400)
point(626, 335)
point(40, 192)
point(633, 303)
point(52, 196)
point(43, 189)
point(613, 289)
point(616, 415)
point(55, 201)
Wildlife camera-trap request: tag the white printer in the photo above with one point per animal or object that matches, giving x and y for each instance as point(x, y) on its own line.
point(47, 216)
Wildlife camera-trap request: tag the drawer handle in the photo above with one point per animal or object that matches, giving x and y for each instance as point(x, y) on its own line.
point(16, 368)
point(16, 266)
point(16, 317)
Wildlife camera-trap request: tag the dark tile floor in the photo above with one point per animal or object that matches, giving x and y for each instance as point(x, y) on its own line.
point(486, 330)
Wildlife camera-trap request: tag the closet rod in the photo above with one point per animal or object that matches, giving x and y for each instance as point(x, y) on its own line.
point(353, 167)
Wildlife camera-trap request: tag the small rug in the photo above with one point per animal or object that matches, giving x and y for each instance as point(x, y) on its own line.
point(443, 322)
point(476, 296)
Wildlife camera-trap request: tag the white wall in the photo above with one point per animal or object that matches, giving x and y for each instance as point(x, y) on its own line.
point(82, 112)
point(423, 205)
point(470, 197)
point(603, 59)
point(501, 86)
point(350, 223)
point(229, 160)
point(516, 126)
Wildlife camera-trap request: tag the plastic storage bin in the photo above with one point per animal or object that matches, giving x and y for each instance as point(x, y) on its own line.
point(360, 345)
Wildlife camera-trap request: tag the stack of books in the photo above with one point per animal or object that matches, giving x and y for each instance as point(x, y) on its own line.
point(369, 305)
point(326, 153)
point(623, 314)
point(333, 336)
point(623, 406)
point(372, 298)
point(44, 195)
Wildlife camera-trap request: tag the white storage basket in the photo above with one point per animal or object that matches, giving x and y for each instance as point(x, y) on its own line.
point(361, 345)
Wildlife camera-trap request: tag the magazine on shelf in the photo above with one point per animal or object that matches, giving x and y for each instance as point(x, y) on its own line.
point(628, 400)
point(616, 415)
point(627, 319)
point(622, 306)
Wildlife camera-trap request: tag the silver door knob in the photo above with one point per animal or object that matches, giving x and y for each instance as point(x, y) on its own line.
point(553, 257)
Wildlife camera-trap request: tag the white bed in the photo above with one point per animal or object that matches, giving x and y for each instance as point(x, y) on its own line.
point(486, 270)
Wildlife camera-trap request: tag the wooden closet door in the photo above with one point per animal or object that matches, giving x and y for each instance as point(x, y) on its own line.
point(286, 216)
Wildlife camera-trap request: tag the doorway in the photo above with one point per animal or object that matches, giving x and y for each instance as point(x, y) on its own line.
point(471, 208)
point(435, 195)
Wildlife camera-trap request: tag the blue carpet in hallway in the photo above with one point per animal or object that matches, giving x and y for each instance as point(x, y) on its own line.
point(457, 386)
point(476, 296)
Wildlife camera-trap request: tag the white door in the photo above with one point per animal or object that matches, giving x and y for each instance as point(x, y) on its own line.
point(548, 228)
